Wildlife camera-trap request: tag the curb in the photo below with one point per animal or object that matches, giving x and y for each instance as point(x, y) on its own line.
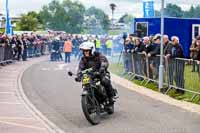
point(51, 127)
point(155, 95)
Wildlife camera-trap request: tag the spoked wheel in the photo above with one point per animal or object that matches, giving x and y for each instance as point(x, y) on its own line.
point(91, 109)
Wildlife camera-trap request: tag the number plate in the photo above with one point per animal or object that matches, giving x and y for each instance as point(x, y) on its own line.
point(86, 80)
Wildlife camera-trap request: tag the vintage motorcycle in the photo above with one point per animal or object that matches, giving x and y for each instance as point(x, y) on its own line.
point(94, 99)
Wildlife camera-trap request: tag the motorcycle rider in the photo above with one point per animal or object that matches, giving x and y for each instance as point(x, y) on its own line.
point(99, 63)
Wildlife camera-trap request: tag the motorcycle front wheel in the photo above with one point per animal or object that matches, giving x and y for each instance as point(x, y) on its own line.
point(91, 109)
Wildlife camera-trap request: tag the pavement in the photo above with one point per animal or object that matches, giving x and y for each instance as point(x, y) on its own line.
point(16, 115)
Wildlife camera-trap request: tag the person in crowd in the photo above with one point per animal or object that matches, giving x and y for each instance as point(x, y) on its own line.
point(75, 48)
point(167, 49)
point(25, 47)
point(1, 47)
point(55, 49)
point(153, 59)
point(138, 47)
point(109, 45)
point(68, 50)
point(176, 68)
point(128, 49)
point(167, 44)
point(148, 47)
point(194, 52)
point(97, 44)
point(19, 48)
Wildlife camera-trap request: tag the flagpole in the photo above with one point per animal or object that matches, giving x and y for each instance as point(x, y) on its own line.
point(8, 27)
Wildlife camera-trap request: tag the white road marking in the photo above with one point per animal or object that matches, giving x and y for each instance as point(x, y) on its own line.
point(45, 69)
point(60, 67)
point(14, 118)
point(10, 103)
point(21, 125)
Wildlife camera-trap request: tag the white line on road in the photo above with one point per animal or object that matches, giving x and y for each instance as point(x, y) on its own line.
point(21, 125)
point(10, 103)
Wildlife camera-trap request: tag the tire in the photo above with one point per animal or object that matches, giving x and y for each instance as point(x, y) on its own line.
point(111, 109)
point(87, 103)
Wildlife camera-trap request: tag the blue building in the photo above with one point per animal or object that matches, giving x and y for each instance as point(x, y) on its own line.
point(185, 29)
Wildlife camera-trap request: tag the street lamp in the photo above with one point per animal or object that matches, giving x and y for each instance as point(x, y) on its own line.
point(112, 7)
point(161, 67)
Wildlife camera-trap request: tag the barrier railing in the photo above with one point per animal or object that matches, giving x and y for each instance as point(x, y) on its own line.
point(178, 72)
point(5, 54)
point(8, 54)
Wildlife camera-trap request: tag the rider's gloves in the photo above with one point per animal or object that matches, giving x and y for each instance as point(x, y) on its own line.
point(102, 70)
point(78, 79)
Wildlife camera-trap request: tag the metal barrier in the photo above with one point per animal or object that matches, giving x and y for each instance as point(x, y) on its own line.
point(8, 54)
point(182, 77)
point(178, 72)
point(5, 54)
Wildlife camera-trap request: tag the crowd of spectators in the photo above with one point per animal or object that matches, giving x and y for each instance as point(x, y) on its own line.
point(28, 45)
point(20, 47)
point(149, 48)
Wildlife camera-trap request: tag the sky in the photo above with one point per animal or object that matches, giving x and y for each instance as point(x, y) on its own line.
point(133, 7)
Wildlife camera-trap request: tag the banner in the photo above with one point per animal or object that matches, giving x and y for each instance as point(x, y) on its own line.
point(148, 8)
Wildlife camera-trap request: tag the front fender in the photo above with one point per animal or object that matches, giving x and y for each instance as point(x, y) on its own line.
point(84, 92)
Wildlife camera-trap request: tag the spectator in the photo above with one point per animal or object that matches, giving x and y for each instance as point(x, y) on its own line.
point(153, 59)
point(55, 49)
point(109, 45)
point(97, 44)
point(167, 44)
point(137, 60)
point(193, 53)
point(19, 48)
point(176, 68)
point(75, 48)
point(148, 47)
point(67, 50)
point(25, 47)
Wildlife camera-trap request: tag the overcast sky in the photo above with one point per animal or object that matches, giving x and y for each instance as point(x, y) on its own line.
point(133, 7)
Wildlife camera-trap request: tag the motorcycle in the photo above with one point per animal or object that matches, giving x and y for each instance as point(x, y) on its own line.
point(94, 99)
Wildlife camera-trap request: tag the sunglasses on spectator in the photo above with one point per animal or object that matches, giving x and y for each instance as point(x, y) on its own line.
point(86, 50)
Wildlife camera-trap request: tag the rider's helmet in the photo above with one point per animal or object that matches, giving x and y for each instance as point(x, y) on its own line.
point(87, 46)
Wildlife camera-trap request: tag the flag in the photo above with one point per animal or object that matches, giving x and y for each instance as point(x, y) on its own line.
point(148, 8)
point(9, 29)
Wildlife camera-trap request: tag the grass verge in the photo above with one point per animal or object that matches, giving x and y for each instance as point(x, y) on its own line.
point(191, 82)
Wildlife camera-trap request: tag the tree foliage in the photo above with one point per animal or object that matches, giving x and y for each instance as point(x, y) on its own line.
point(29, 22)
point(65, 16)
point(96, 20)
point(126, 18)
point(173, 10)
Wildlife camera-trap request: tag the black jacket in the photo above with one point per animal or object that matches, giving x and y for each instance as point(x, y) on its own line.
point(156, 50)
point(148, 48)
point(97, 61)
point(176, 51)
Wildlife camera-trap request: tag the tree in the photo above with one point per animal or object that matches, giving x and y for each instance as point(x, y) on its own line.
point(97, 20)
point(66, 16)
point(126, 18)
point(29, 22)
point(173, 10)
point(194, 12)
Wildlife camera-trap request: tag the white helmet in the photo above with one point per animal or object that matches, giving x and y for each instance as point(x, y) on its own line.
point(87, 46)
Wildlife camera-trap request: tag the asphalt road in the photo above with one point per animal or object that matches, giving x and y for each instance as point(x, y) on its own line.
point(57, 96)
